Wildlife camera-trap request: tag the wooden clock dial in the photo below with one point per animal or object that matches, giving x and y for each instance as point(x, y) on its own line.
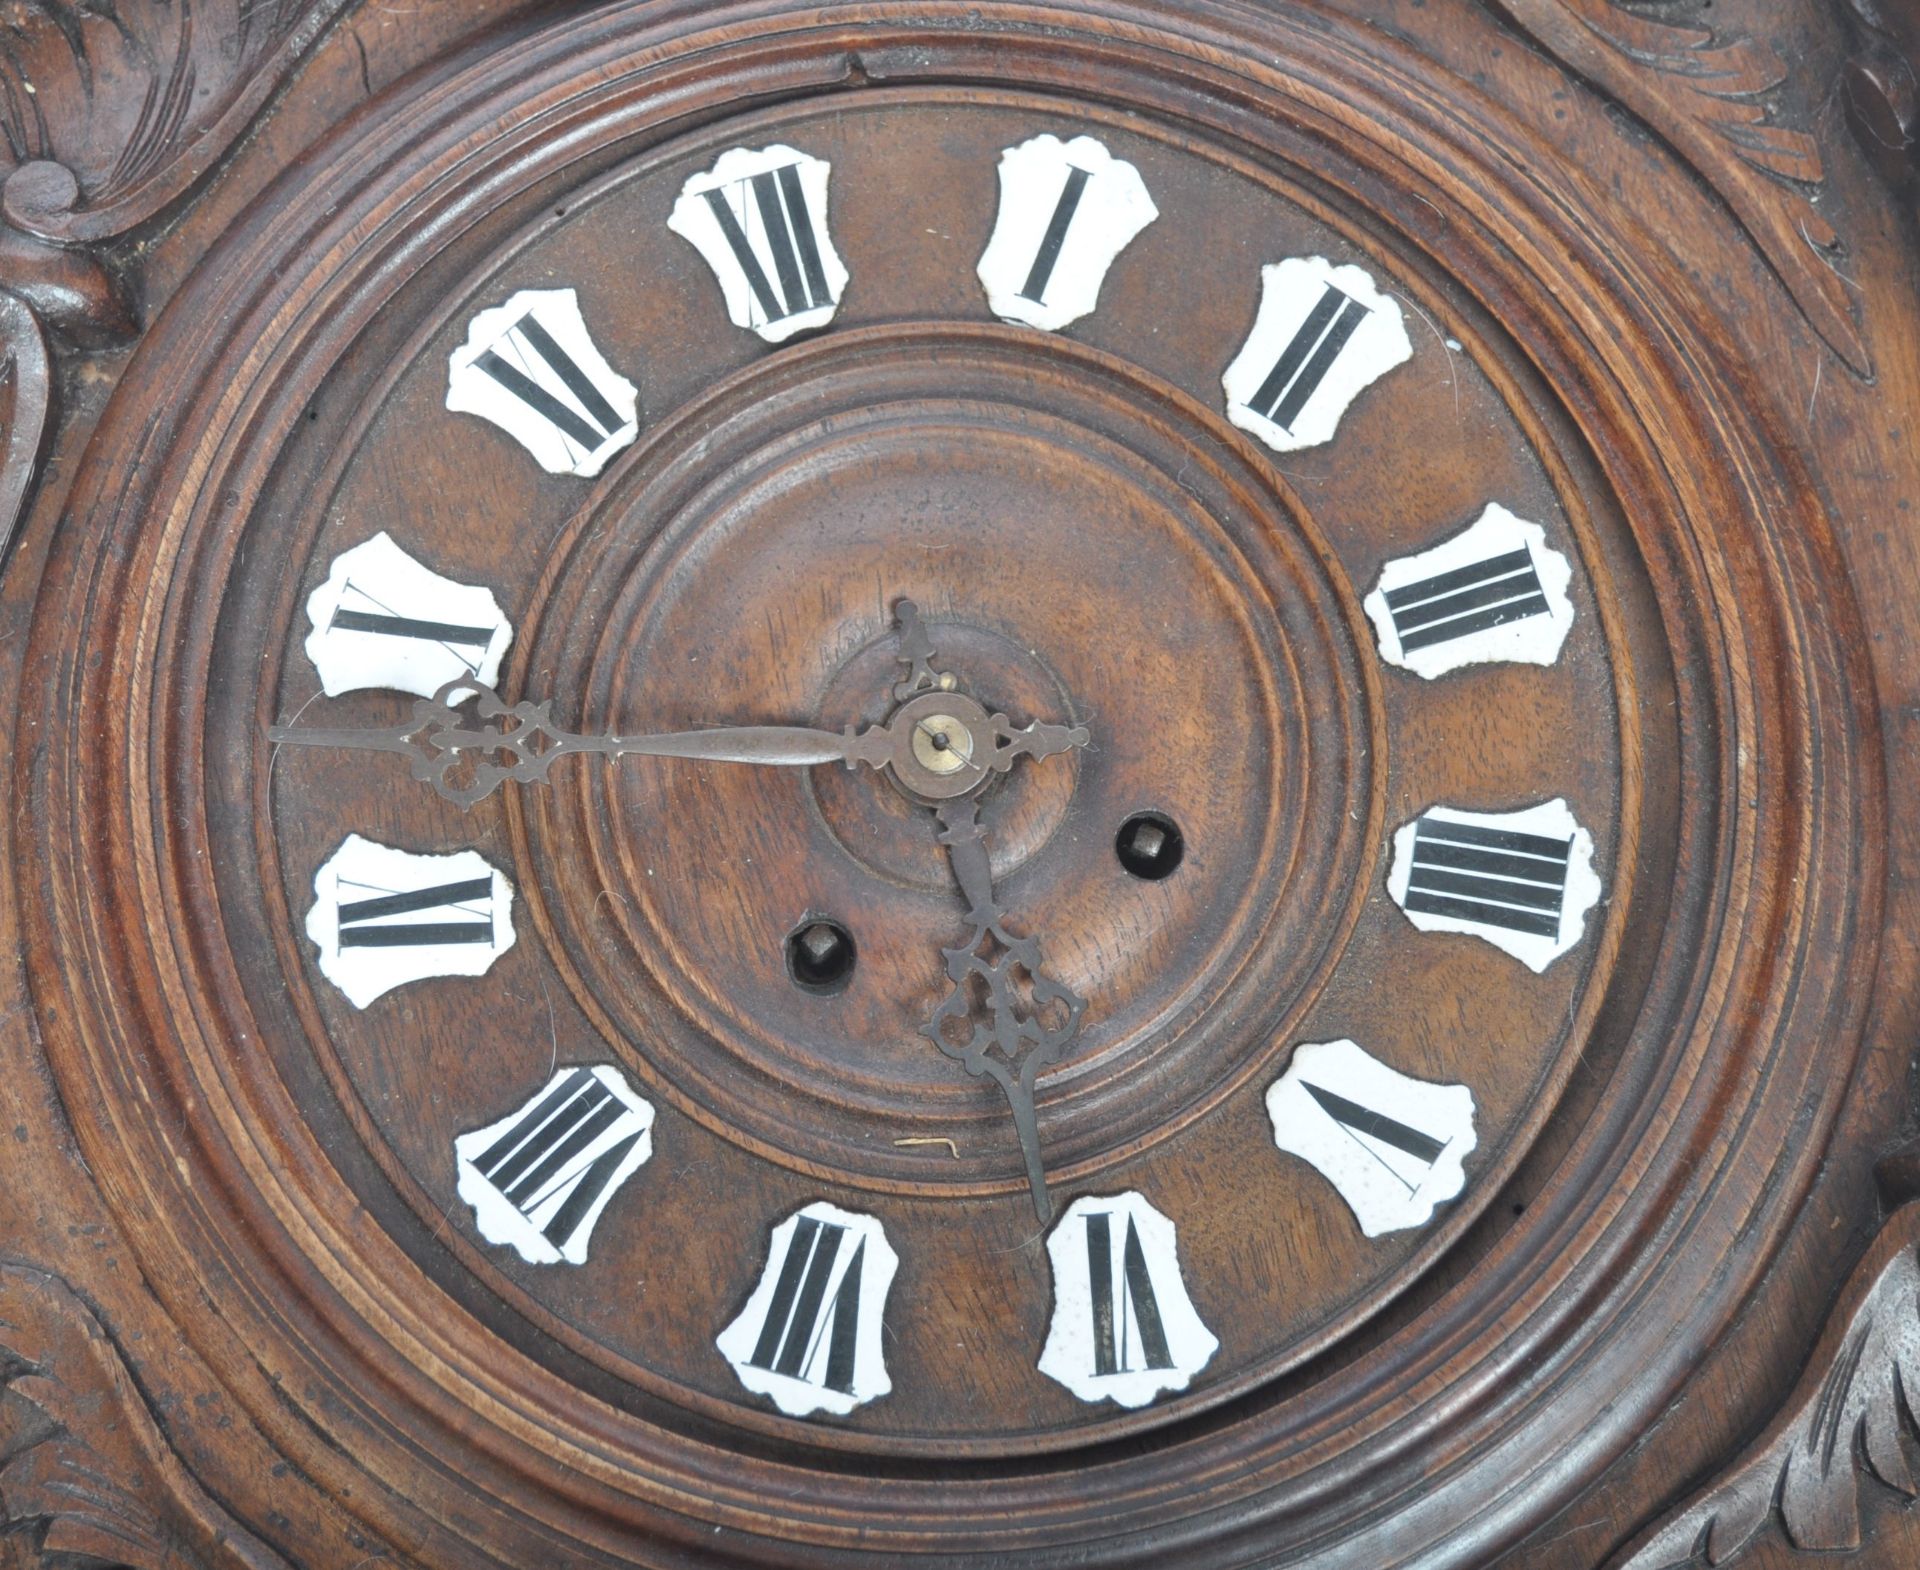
point(1019, 784)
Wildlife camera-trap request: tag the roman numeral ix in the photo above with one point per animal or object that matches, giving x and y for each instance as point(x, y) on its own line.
point(1493, 877)
point(1307, 358)
point(369, 924)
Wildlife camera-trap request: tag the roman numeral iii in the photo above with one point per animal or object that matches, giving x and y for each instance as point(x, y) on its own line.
point(760, 220)
point(530, 367)
point(810, 1335)
point(1495, 591)
point(539, 1178)
point(1523, 881)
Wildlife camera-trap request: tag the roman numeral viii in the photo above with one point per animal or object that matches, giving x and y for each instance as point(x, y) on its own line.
point(539, 1178)
point(554, 1164)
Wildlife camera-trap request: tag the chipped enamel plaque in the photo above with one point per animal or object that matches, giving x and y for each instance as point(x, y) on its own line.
point(1495, 591)
point(1323, 335)
point(538, 1179)
point(1524, 881)
point(1067, 210)
point(383, 917)
point(381, 620)
point(810, 1336)
point(1123, 1327)
point(1392, 1145)
point(760, 220)
point(530, 368)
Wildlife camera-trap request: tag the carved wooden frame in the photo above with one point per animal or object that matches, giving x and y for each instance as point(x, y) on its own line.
point(1659, 1219)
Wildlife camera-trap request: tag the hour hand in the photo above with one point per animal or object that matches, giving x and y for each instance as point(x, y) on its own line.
point(1018, 1035)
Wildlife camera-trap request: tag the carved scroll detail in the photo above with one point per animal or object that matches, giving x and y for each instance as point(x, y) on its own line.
point(1704, 96)
point(110, 112)
point(84, 1470)
point(26, 394)
point(1853, 1410)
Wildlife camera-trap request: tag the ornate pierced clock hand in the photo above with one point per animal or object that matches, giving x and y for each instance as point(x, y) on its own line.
point(1012, 1044)
point(942, 747)
point(468, 757)
point(1017, 1038)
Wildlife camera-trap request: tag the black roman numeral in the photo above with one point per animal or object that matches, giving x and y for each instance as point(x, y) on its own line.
point(383, 621)
point(589, 429)
point(1467, 600)
point(1307, 358)
point(1493, 877)
point(789, 1338)
point(367, 923)
point(1132, 1300)
point(1356, 1120)
point(538, 1159)
point(777, 196)
point(1048, 256)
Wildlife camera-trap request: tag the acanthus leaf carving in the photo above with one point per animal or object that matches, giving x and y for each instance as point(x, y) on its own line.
point(1851, 1413)
point(85, 1472)
point(110, 112)
point(1705, 95)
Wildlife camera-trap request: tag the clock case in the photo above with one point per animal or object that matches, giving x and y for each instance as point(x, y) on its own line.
point(1685, 1329)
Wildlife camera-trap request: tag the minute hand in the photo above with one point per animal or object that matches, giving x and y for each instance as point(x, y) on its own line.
point(467, 759)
